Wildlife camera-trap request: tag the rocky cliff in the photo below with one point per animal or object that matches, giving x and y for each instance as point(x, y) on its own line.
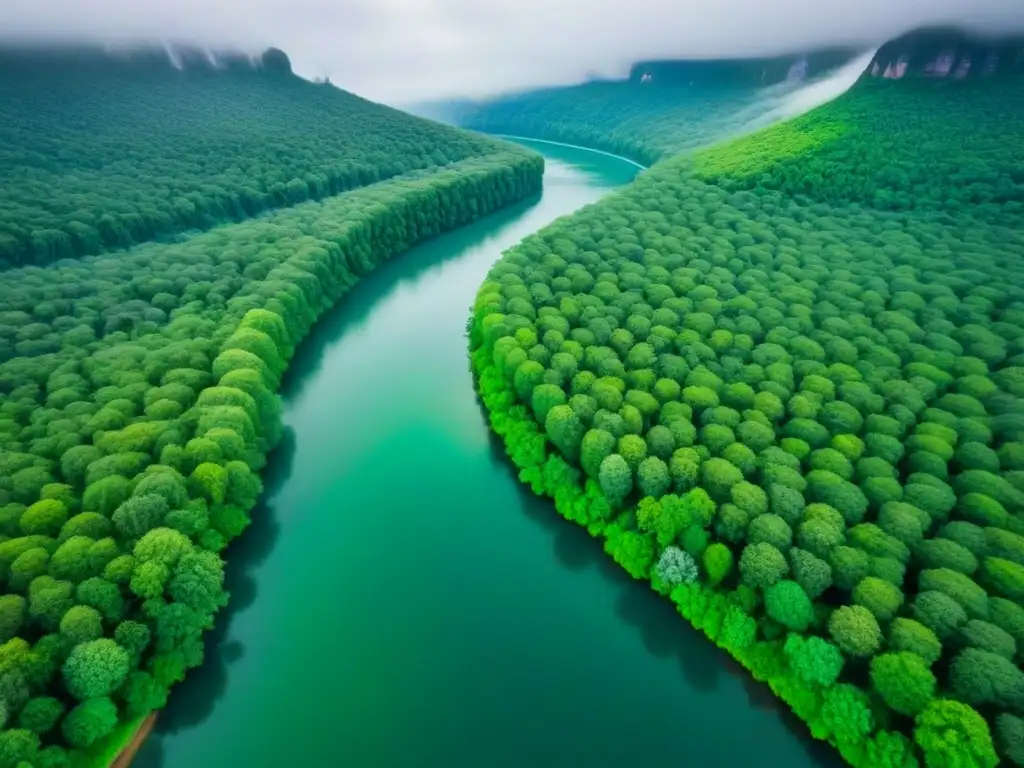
point(948, 53)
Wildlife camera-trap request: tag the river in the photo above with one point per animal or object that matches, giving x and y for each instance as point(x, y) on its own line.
point(401, 601)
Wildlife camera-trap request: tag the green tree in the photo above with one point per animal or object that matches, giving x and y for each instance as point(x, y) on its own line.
point(950, 733)
point(616, 478)
point(565, 430)
point(855, 630)
point(89, 722)
point(913, 637)
point(762, 565)
point(718, 561)
point(880, 597)
point(95, 668)
point(44, 518)
point(904, 681)
point(813, 659)
point(41, 714)
point(81, 623)
point(788, 604)
point(981, 678)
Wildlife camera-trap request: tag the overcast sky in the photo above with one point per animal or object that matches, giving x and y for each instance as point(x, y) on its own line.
point(400, 51)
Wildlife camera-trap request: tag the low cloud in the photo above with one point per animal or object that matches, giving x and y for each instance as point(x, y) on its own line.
point(401, 51)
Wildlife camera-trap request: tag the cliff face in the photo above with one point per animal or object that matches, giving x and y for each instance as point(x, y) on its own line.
point(149, 60)
point(946, 53)
point(740, 72)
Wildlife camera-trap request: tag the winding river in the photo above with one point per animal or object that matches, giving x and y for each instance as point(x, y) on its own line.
point(401, 601)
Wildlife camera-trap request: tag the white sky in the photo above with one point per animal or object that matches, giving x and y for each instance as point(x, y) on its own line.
point(400, 51)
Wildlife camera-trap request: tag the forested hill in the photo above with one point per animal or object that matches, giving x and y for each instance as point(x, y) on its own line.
point(949, 54)
point(105, 149)
point(782, 379)
point(893, 145)
point(661, 108)
point(137, 387)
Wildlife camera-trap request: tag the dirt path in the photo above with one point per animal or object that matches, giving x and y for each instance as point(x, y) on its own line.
point(124, 759)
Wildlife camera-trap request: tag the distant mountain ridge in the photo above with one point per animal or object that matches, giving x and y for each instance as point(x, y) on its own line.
point(746, 72)
point(948, 53)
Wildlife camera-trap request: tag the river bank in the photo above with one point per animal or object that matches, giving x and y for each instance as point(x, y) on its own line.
point(467, 624)
point(415, 209)
point(527, 140)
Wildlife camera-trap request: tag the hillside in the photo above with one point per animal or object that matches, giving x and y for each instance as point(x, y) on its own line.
point(138, 387)
point(661, 108)
point(782, 379)
point(926, 145)
point(102, 150)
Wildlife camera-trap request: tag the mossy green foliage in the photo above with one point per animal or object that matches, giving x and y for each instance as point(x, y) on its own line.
point(198, 146)
point(830, 358)
point(891, 146)
point(137, 405)
point(756, 153)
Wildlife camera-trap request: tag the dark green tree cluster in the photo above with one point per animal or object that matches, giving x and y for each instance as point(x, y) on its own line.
point(137, 404)
point(100, 152)
point(799, 412)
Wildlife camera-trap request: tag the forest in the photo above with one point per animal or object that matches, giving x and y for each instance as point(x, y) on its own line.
point(138, 399)
point(200, 146)
point(682, 106)
point(647, 123)
point(782, 379)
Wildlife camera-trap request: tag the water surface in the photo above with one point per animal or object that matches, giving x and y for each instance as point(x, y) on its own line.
point(402, 601)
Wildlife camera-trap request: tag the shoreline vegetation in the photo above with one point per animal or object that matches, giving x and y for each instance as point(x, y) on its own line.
point(521, 175)
point(780, 380)
point(139, 387)
point(126, 754)
point(451, 187)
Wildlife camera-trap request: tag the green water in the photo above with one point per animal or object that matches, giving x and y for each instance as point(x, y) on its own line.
point(402, 601)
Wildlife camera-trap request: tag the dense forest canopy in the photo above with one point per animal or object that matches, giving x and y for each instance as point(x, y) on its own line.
point(946, 146)
point(661, 108)
point(103, 150)
point(137, 388)
point(783, 379)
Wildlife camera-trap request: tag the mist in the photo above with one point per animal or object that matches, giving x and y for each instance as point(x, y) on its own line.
point(402, 51)
point(778, 103)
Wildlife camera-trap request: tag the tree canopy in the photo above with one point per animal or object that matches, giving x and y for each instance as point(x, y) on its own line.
point(201, 145)
point(821, 326)
point(138, 387)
